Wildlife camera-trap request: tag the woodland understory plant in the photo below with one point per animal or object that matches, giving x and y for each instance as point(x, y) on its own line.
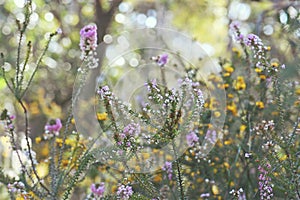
point(258, 156)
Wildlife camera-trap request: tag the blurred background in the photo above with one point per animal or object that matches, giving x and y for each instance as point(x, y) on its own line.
point(275, 21)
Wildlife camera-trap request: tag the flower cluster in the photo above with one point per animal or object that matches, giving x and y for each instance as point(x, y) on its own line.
point(98, 189)
point(5, 116)
point(124, 192)
point(264, 185)
point(17, 187)
point(192, 139)
point(52, 128)
point(88, 45)
point(127, 138)
point(161, 60)
point(239, 194)
point(168, 169)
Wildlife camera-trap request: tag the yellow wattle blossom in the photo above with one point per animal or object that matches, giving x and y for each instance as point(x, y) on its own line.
point(230, 95)
point(223, 86)
point(226, 165)
point(226, 74)
point(38, 140)
point(242, 128)
point(217, 114)
point(298, 91)
point(215, 190)
point(59, 141)
point(101, 116)
point(239, 83)
point(260, 104)
point(258, 70)
point(262, 77)
point(232, 107)
point(228, 68)
point(274, 64)
point(227, 142)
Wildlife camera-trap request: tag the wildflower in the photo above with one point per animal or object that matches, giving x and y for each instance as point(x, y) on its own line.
point(38, 140)
point(211, 136)
point(104, 92)
point(264, 186)
point(260, 104)
point(192, 139)
point(162, 60)
point(101, 116)
point(124, 192)
point(235, 30)
point(253, 40)
point(59, 31)
point(239, 83)
point(127, 137)
point(54, 126)
point(168, 168)
point(88, 38)
point(98, 189)
point(233, 108)
point(88, 45)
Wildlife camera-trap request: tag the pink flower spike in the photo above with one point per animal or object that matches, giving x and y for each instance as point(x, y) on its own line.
point(88, 38)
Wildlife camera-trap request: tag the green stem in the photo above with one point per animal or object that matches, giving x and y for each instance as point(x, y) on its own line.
point(179, 176)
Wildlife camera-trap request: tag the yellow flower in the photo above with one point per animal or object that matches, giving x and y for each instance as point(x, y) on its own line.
point(242, 128)
point(262, 77)
point(217, 114)
point(232, 107)
point(227, 166)
point(38, 140)
point(239, 83)
point(101, 116)
point(260, 104)
point(215, 190)
point(227, 67)
point(298, 91)
point(268, 48)
point(258, 70)
point(226, 74)
point(223, 86)
point(59, 141)
point(230, 95)
point(227, 142)
point(274, 64)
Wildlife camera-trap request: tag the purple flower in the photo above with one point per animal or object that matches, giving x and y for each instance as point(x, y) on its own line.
point(192, 139)
point(264, 185)
point(124, 192)
point(54, 126)
point(88, 38)
point(59, 31)
point(162, 60)
point(168, 168)
point(211, 136)
point(98, 189)
point(235, 25)
point(253, 40)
